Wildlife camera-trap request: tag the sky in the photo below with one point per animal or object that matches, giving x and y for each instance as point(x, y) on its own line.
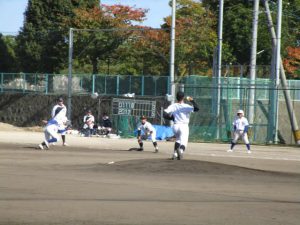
point(12, 12)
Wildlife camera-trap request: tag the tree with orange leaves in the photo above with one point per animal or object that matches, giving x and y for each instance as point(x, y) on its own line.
point(292, 62)
point(104, 29)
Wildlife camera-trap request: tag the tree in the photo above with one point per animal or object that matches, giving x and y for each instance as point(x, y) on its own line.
point(42, 43)
point(196, 38)
point(238, 16)
point(109, 27)
point(7, 54)
point(292, 62)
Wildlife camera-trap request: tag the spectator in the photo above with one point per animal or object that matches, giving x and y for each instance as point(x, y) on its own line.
point(88, 121)
point(106, 125)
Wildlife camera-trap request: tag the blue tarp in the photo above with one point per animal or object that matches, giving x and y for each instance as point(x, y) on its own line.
point(162, 132)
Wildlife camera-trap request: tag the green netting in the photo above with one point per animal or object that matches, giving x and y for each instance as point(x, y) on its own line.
point(207, 126)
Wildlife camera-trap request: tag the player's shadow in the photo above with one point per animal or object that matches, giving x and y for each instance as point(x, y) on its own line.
point(134, 149)
point(32, 147)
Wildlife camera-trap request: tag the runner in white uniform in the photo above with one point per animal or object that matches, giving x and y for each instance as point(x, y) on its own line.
point(180, 113)
point(51, 132)
point(144, 131)
point(240, 128)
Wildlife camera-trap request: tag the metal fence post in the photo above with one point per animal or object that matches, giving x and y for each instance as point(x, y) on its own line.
point(2, 82)
point(143, 85)
point(118, 83)
point(24, 82)
point(46, 84)
point(93, 83)
point(105, 84)
point(130, 84)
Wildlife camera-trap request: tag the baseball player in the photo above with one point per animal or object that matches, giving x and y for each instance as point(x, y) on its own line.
point(240, 128)
point(180, 113)
point(59, 113)
point(148, 130)
point(89, 120)
point(51, 132)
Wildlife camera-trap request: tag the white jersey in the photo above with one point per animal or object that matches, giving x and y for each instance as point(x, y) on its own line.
point(88, 121)
point(146, 127)
point(181, 112)
point(240, 123)
point(59, 113)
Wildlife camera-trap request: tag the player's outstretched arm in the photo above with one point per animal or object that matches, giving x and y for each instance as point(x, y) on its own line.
point(191, 100)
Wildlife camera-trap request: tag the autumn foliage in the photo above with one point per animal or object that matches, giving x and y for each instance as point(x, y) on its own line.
point(292, 62)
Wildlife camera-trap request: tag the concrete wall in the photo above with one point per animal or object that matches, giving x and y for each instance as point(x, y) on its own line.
point(25, 110)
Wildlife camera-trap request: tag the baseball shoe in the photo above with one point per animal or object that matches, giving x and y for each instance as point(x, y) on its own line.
point(41, 146)
point(249, 152)
point(174, 156)
point(140, 149)
point(156, 150)
point(65, 144)
point(179, 154)
point(229, 150)
point(47, 144)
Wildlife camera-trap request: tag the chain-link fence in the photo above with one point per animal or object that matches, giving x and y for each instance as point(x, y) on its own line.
point(207, 125)
point(84, 84)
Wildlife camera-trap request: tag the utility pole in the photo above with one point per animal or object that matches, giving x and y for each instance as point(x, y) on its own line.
point(277, 62)
point(69, 111)
point(253, 63)
point(219, 57)
point(284, 84)
point(172, 54)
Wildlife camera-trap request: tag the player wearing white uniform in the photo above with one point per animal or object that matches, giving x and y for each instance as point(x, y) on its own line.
point(59, 113)
point(240, 127)
point(148, 130)
point(51, 132)
point(180, 113)
point(88, 120)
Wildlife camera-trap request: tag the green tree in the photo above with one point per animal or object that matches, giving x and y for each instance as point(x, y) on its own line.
point(237, 32)
point(196, 38)
point(7, 54)
point(41, 42)
point(108, 28)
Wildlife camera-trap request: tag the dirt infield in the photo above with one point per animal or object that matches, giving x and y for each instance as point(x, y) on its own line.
point(98, 181)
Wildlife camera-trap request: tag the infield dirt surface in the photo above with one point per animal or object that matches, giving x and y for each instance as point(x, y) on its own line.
point(99, 181)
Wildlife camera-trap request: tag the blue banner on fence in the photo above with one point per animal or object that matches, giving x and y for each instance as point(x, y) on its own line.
point(162, 132)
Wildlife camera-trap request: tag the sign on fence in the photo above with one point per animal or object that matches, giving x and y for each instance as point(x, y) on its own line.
point(132, 107)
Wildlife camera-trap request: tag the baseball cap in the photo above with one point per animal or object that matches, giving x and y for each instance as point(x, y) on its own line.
point(143, 117)
point(240, 112)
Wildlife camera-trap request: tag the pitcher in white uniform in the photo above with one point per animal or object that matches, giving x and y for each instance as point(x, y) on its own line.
point(180, 113)
point(240, 128)
point(145, 129)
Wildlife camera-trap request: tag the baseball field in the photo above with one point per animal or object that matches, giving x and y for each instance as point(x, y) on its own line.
point(99, 181)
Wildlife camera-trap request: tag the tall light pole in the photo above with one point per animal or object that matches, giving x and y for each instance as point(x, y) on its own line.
point(172, 53)
point(278, 62)
point(253, 63)
point(220, 42)
point(284, 83)
point(69, 111)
